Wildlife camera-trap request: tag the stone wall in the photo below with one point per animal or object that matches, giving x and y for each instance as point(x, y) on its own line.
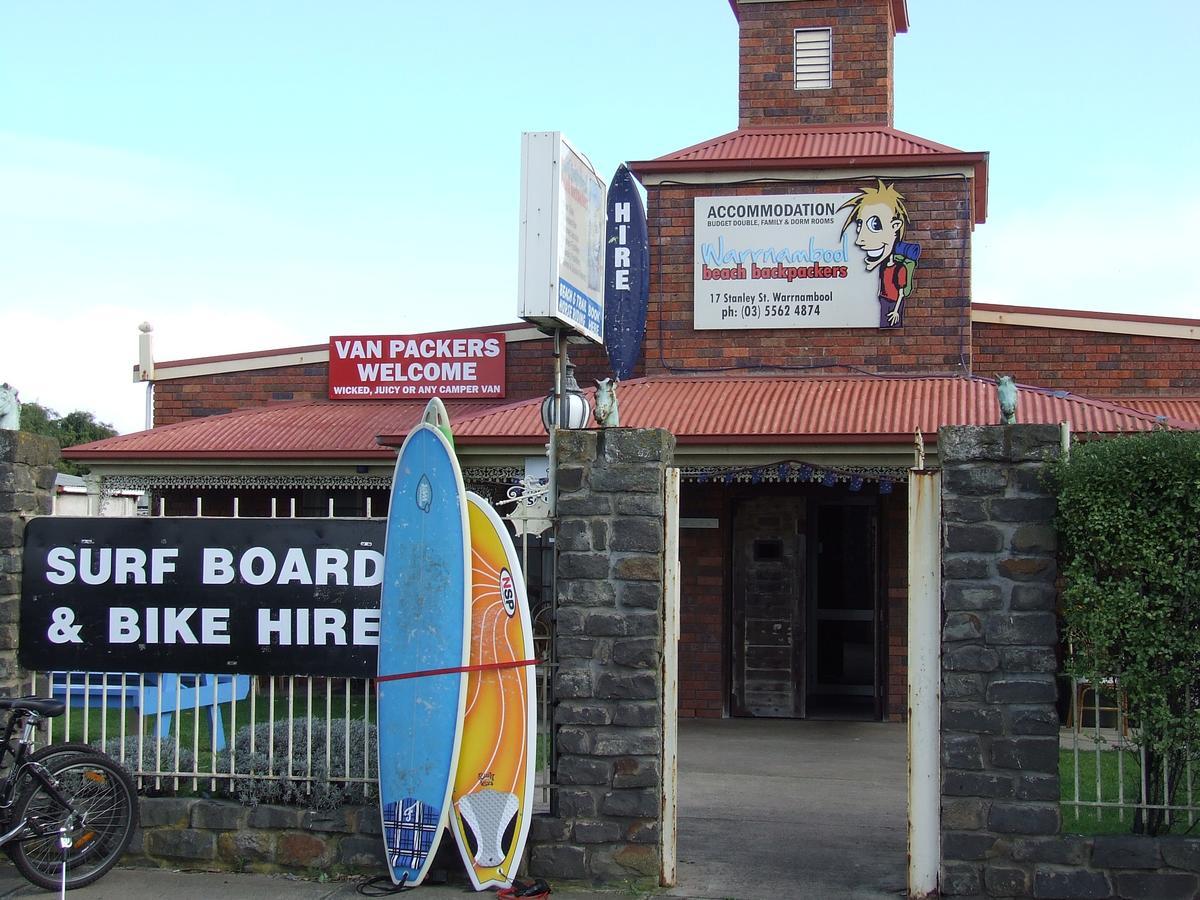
point(607, 808)
point(28, 466)
point(226, 836)
point(1000, 727)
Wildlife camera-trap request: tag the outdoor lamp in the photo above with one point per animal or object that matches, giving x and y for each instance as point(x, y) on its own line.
point(578, 408)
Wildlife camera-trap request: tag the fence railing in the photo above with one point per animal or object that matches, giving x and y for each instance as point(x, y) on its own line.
point(1108, 778)
point(266, 738)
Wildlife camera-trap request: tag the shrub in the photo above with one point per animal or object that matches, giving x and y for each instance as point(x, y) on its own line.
point(1129, 521)
point(324, 789)
point(166, 754)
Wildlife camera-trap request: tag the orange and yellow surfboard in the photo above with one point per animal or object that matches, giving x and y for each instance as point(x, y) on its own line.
point(492, 795)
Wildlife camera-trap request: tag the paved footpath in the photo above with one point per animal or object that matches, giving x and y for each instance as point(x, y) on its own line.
point(810, 811)
point(166, 884)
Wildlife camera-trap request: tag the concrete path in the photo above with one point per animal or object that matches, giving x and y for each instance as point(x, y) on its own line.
point(772, 808)
point(768, 810)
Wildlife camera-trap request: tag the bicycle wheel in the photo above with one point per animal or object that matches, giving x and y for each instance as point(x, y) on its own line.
point(46, 755)
point(106, 812)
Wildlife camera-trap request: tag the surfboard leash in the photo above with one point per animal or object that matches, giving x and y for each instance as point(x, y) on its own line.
point(454, 670)
point(525, 890)
point(382, 886)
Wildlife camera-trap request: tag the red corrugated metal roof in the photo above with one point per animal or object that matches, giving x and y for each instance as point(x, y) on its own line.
point(1184, 409)
point(807, 147)
point(741, 409)
point(728, 409)
point(305, 429)
point(767, 143)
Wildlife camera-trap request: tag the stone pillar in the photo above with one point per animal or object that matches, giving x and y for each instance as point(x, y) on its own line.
point(28, 464)
point(608, 687)
point(999, 721)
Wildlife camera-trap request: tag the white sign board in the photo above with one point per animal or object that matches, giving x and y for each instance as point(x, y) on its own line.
point(781, 261)
point(561, 266)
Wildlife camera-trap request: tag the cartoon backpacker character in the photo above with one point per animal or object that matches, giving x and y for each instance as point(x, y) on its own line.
point(896, 283)
point(879, 217)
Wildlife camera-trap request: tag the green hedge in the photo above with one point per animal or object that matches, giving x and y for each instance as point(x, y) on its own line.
point(1129, 526)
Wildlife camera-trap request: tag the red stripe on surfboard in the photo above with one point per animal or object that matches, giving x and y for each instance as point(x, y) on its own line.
point(481, 667)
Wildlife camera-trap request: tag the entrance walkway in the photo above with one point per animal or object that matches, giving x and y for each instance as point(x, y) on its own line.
point(776, 808)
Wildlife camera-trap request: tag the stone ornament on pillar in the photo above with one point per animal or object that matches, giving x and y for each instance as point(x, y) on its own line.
point(607, 414)
point(10, 408)
point(1006, 390)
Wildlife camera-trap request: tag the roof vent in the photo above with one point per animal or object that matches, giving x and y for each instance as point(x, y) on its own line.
point(814, 59)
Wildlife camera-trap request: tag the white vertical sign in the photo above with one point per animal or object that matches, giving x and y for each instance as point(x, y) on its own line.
point(561, 257)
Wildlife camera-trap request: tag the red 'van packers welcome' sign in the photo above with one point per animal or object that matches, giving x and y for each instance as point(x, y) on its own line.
point(459, 364)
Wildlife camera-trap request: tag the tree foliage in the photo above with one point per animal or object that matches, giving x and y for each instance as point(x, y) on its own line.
point(1129, 522)
point(78, 427)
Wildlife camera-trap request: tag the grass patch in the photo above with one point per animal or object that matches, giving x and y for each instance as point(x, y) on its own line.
point(1117, 769)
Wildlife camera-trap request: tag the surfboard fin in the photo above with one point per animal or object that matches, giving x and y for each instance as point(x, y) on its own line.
point(436, 415)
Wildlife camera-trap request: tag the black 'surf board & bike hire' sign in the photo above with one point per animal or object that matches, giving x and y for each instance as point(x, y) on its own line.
point(261, 596)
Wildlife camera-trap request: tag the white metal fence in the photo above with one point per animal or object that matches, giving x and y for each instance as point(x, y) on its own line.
point(312, 737)
point(1107, 778)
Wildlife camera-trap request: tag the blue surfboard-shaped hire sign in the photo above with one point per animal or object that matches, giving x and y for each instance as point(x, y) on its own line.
point(424, 632)
point(627, 274)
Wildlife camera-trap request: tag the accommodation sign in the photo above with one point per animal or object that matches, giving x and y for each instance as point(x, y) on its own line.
point(416, 366)
point(803, 260)
point(261, 596)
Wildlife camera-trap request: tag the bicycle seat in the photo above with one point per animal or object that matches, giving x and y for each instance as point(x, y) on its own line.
point(44, 706)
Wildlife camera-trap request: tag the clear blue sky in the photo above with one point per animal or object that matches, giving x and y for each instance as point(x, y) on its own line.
point(248, 175)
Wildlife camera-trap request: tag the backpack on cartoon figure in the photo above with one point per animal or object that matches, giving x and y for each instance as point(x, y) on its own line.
point(905, 255)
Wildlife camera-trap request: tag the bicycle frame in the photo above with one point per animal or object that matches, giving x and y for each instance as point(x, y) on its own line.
point(27, 721)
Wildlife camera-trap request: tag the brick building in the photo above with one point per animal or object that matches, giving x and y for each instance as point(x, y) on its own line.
point(794, 418)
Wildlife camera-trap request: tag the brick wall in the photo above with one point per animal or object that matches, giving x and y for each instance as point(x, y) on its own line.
point(894, 528)
point(936, 333)
point(703, 682)
point(528, 370)
point(1089, 362)
point(210, 395)
point(862, 63)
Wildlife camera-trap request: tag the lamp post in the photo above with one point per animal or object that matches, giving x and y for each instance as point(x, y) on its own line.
point(569, 405)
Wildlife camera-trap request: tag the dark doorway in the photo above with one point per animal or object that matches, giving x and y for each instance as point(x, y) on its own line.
point(768, 621)
point(843, 671)
point(805, 614)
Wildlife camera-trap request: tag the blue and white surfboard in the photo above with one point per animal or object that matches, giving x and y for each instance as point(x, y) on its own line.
point(424, 631)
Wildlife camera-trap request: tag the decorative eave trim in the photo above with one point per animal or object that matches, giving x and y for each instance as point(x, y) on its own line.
point(973, 166)
point(1079, 320)
point(313, 354)
point(115, 483)
point(797, 472)
point(899, 11)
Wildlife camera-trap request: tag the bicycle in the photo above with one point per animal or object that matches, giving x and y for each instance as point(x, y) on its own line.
point(67, 811)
